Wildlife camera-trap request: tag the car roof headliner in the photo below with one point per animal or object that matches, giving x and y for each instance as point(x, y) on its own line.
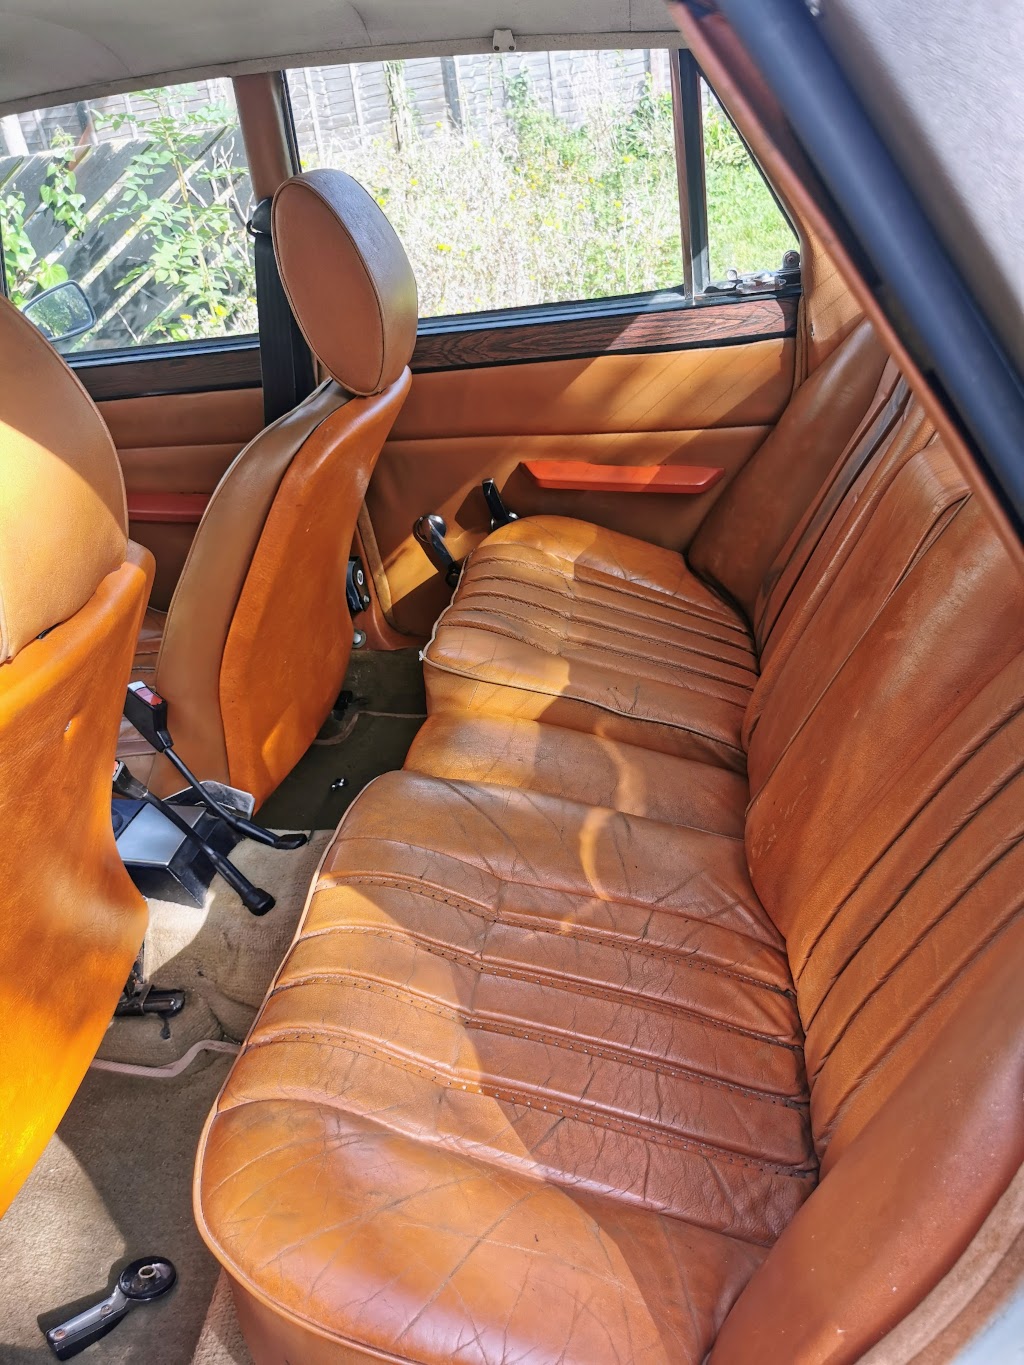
point(55, 50)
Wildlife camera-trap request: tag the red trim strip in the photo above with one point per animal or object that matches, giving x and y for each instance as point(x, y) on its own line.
point(180, 508)
point(619, 478)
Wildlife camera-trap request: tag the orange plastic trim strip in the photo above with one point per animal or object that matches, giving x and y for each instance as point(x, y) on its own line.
point(622, 478)
point(180, 508)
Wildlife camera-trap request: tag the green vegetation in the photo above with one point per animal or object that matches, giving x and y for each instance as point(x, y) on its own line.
point(546, 212)
point(746, 231)
point(197, 248)
point(534, 211)
point(26, 273)
point(175, 212)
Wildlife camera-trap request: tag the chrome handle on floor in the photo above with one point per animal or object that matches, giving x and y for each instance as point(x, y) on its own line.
point(141, 1282)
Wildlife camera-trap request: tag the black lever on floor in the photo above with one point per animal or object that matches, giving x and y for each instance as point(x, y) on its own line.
point(141, 1282)
point(254, 898)
point(500, 514)
point(146, 710)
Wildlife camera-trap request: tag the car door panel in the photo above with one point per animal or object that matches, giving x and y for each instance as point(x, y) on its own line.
point(174, 447)
point(707, 405)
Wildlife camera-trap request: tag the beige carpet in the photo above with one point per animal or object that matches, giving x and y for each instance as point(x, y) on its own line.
point(115, 1181)
point(219, 954)
point(221, 1341)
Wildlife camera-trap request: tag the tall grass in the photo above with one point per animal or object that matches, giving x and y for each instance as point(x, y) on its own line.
point(541, 211)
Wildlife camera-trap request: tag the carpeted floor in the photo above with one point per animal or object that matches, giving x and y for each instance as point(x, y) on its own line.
point(115, 1181)
point(114, 1184)
point(392, 684)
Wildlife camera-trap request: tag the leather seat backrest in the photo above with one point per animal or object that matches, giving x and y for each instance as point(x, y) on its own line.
point(258, 633)
point(73, 590)
point(885, 837)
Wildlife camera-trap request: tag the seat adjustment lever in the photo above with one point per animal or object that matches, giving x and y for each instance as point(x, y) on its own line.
point(254, 898)
point(430, 531)
point(146, 710)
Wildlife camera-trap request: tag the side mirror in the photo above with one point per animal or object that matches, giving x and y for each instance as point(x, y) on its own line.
point(62, 312)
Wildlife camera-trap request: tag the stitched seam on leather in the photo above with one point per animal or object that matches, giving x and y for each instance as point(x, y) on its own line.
point(909, 948)
point(647, 1130)
point(571, 985)
point(403, 882)
point(953, 833)
point(943, 523)
point(592, 578)
point(577, 932)
point(832, 501)
point(943, 778)
point(585, 652)
point(670, 646)
point(674, 606)
point(857, 1083)
point(619, 1053)
point(662, 722)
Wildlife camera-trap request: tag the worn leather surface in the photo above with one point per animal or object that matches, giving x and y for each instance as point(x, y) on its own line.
point(560, 621)
point(257, 636)
point(194, 632)
point(62, 514)
point(288, 644)
point(560, 1066)
point(178, 443)
point(497, 1001)
point(581, 766)
point(711, 406)
point(560, 642)
point(347, 277)
point(750, 523)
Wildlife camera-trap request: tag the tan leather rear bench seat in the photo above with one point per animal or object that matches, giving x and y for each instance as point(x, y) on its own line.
point(593, 1047)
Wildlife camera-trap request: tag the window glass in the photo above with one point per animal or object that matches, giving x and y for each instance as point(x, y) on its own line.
point(747, 230)
point(518, 179)
point(141, 200)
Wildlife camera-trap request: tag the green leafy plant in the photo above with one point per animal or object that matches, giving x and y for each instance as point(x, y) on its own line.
point(191, 233)
point(27, 273)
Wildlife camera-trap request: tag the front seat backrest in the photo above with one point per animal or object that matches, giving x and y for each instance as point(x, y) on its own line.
point(258, 634)
point(73, 590)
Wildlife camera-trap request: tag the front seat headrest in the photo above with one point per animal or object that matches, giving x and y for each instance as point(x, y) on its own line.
point(63, 522)
point(347, 277)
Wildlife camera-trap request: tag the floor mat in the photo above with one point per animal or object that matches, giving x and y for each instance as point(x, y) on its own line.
point(112, 1185)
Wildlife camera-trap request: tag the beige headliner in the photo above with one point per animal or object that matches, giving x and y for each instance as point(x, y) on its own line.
point(52, 51)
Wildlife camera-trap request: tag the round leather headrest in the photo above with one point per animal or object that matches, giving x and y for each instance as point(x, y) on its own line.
point(347, 277)
point(63, 523)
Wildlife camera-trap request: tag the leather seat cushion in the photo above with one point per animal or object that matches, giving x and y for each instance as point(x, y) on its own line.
point(536, 757)
point(131, 747)
point(561, 621)
point(532, 1070)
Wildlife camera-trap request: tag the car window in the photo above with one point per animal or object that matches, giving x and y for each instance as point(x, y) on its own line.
point(518, 179)
point(141, 200)
point(747, 231)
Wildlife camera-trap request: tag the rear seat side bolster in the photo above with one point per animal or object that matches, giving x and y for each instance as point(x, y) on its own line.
point(746, 528)
point(893, 1215)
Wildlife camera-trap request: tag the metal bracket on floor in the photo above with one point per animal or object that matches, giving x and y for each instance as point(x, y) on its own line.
point(141, 997)
point(146, 1279)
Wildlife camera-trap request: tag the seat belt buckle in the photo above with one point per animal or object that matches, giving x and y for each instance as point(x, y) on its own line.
point(146, 710)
